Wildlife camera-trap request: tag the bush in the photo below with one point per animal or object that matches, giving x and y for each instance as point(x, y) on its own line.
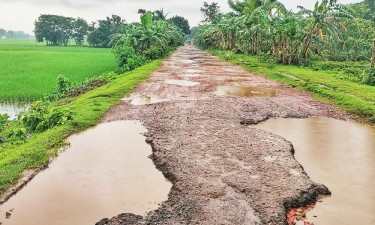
point(155, 53)
point(127, 58)
point(3, 121)
point(369, 77)
point(42, 116)
point(63, 84)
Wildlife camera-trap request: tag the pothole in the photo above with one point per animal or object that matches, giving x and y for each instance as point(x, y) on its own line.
point(245, 91)
point(146, 100)
point(181, 82)
point(106, 171)
point(340, 155)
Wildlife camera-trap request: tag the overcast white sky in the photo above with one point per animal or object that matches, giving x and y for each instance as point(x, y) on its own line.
point(20, 14)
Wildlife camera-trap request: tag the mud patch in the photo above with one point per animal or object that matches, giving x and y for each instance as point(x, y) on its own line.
point(245, 91)
point(340, 154)
point(181, 82)
point(106, 171)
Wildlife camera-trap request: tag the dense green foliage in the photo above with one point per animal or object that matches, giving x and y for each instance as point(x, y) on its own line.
point(27, 149)
point(181, 23)
point(265, 27)
point(59, 30)
point(42, 116)
point(29, 71)
point(325, 83)
point(101, 36)
point(211, 13)
point(145, 41)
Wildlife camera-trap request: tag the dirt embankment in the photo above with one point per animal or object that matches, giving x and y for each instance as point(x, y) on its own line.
point(223, 171)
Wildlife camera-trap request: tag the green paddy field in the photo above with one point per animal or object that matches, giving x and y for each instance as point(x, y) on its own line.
point(29, 70)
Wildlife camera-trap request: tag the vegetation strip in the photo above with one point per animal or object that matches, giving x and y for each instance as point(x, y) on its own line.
point(86, 109)
point(352, 97)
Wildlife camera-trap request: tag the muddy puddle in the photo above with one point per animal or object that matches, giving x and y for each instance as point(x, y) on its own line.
point(146, 100)
point(12, 109)
point(106, 171)
point(181, 82)
point(245, 91)
point(339, 154)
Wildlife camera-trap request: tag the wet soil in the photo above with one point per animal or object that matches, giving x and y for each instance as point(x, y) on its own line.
point(222, 171)
point(104, 172)
point(340, 154)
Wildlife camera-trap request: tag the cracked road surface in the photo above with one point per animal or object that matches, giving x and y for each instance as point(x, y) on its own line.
point(197, 109)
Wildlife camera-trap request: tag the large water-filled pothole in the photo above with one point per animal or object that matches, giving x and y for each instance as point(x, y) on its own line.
point(339, 154)
point(106, 171)
point(245, 91)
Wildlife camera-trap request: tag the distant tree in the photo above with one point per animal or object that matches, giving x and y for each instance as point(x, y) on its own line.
point(2, 32)
point(193, 31)
point(55, 30)
point(370, 15)
point(181, 23)
point(101, 36)
point(14, 34)
point(142, 11)
point(92, 26)
point(10, 34)
point(211, 12)
point(159, 15)
point(80, 31)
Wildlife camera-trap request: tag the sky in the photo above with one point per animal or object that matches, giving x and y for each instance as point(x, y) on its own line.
point(21, 14)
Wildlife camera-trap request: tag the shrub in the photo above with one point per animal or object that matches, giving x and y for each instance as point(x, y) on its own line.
point(369, 77)
point(127, 58)
point(42, 116)
point(155, 53)
point(3, 121)
point(62, 84)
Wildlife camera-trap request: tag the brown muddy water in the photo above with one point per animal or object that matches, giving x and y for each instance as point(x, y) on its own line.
point(339, 154)
point(12, 109)
point(105, 171)
point(145, 100)
point(245, 91)
point(181, 82)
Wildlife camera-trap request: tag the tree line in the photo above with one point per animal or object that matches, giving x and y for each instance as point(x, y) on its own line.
point(10, 34)
point(330, 31)
point(59, 30)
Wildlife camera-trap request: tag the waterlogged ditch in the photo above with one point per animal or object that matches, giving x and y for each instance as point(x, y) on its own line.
point(105, 171)
point(12, 109)
point(339, 154)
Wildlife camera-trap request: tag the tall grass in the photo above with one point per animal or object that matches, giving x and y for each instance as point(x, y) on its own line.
point(28, 70)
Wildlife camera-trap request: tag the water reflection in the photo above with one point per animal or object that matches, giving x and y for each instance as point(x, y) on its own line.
point(339, 154)
point(105, 172)
point(13, 108)
point(245, 91)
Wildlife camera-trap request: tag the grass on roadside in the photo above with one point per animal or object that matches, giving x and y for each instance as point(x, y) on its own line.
point(353, 97)
point(28, 70)
point(87, 110)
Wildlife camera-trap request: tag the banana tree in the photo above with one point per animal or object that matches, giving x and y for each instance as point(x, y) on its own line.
point(325, 15)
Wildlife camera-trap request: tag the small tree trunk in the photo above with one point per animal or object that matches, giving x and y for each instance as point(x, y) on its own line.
point(373, 57)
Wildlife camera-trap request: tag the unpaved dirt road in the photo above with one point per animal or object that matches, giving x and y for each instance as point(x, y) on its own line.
point(222, 170)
